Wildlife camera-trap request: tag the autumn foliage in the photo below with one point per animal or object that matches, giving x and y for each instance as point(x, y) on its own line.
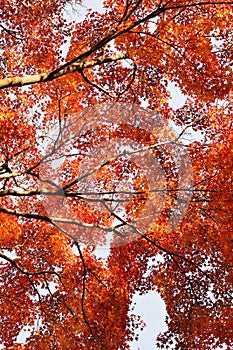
point(82, 160)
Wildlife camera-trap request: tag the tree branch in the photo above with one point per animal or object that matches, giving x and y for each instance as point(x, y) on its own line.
point(78, 66)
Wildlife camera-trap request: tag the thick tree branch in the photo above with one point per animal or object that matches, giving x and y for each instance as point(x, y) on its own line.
point(78, 66)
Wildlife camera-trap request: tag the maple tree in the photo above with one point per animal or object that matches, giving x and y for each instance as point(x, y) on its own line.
point(58, 78)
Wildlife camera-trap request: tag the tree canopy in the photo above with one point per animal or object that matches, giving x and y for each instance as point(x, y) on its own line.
point(90, 157)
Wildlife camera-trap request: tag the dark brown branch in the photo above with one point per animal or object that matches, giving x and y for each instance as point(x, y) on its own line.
point(95, 85)
point(10, 32)
point(84, 288)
